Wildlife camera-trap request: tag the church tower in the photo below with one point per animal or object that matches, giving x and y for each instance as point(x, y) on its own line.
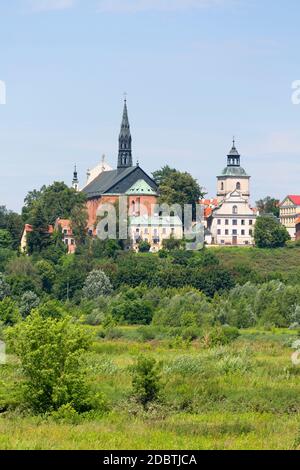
point(75, 182)
point(125, 151)
point(233, 177)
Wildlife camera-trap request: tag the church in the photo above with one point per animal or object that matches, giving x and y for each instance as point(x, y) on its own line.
point(106, 185)
point(232, 219)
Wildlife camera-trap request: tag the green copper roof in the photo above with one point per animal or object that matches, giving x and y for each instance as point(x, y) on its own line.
point(234, 171)
point(141, 187)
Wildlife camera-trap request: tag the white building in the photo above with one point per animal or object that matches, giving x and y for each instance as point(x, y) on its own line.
point(154, 229)
point(232, 221)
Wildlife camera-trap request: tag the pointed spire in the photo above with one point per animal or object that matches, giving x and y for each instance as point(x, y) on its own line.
point(125, 153)
point(233, 158)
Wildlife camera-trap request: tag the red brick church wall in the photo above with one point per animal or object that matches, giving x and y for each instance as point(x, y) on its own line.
point(144, 202)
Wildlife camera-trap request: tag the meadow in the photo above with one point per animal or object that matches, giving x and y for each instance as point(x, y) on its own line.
point(244, 395)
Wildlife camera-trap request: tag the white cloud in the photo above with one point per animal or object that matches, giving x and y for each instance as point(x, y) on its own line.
point(135, 6)
point(48, 5)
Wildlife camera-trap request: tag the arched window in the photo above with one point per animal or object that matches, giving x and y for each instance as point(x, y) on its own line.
point(234, 210)
point(238, 186)
point(222, 186)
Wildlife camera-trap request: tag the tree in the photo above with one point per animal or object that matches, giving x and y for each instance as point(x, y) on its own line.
point(28, 302)
point(164, 173)
point(96, 284)
point(9, 312)
point(13, 223)
point(56, 201)
point(178, 188)
point(40, 237)
point(268, 205)
point(144, 247)
point(171, 244)
point(47, 274)
point(269, 233)
point(5, 239)
point(4, 287)
point(51, 357)
point(79, 217)
point(146, 381)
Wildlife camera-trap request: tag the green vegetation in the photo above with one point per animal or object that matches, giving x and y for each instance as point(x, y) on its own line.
point(241, 395)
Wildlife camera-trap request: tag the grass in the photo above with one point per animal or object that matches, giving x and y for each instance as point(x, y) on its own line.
point(242, 396)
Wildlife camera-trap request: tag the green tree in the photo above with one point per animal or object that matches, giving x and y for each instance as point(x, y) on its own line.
point(40, 237)
point(146, 381)
point(79, 218)
point(269, 233)
point(96, 284)
point(164, 173)
point(144, 247)
point(56, 201)
point(28, 302)
point(4, 287)
point(47, 274)
point(13, 223)
point(5, 239)
point(178, 188)
point(51, 357)
point(268, 205)
point(9, 312)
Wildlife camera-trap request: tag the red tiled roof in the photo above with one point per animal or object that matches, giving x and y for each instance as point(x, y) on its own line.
point(28, 228)
point(294, 198)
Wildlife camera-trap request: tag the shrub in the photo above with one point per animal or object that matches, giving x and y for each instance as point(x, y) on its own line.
point(28, 302)
point(146, 381)
point(4, 287)
point(144, 247)
point(220, 336)
point(9, 312)
point(97, 283)
point(50, 352)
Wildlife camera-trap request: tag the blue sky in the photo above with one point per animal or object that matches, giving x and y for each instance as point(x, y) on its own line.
point(196, 72)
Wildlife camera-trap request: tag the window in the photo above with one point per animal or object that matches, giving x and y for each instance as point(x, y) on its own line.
point(234, 210)
point(250, 222)
point(226, 222)
point(219, 232)
point(164, 231)
point(250, 233)
point(238, 186)
point(234, 222)
point(226, 232)
point(234, 232)
point(243, 232)
point(222, 186)
point(219, 221)
point(223, 242)
point(243, 222)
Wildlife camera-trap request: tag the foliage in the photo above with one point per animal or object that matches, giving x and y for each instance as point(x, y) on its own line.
point(268, 205)
point(39, 238)
point(146, 381)
point(96, 284)
point(9, 312)
point(13, 224)
point(28, 302)
point(50, 352)
point(269, 233)
point(4, 287)
point(144, 247)
point(5, 239)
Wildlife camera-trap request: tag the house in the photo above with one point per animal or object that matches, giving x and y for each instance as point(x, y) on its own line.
point(289, 213)
point(154, 229)
point(61, 224)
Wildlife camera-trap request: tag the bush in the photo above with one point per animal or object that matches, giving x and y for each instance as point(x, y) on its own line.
point(50, 352)
point(4, 287)
point(146, 381)
point(28, 302)
point(9, 312)
point(269, 233)
point(144, 247)
point(97, 283)
point(220, 336)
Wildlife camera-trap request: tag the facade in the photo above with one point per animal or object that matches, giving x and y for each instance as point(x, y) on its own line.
point(232, 221)
point(289, 213)
point(126, 180)
point(154, 229)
